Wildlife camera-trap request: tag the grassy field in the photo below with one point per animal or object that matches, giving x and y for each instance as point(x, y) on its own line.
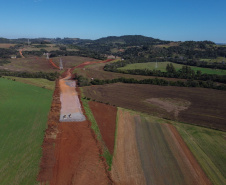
point(162, 67)
point(96, 71)
point(208, 146)
point(24, 110)
point(218, 59)
point(39, 82)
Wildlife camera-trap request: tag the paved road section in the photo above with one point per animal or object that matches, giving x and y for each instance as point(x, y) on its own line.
point(70, 105)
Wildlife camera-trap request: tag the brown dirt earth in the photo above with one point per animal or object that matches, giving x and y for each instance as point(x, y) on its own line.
point(170, 105)
point(126, 166)
point(105, 116)
point(48, 159)
point(72, 155)
point(207, 106)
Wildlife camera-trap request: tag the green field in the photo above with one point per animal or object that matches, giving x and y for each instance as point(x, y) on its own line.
point(162, 67)
point(39, 82)
point(24, 110)
point(218, 59)
point(208, 146)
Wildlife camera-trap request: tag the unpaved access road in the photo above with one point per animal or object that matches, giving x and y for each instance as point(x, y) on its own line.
point(76, 156)
point(70, 104)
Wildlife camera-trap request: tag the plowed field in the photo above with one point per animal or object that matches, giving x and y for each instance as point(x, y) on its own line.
point(148, 152)
point(205, 107)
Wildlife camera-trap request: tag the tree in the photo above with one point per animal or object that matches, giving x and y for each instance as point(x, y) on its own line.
point(170, 68)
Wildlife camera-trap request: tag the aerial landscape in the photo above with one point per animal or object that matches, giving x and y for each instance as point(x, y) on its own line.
point(132, 97)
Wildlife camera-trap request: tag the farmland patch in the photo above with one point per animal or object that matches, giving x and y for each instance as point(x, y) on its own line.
point(162, 67)
point(207, 106)
point(150, 152)
point(24, 110)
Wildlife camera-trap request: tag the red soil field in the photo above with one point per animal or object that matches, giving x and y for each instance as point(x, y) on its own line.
point(77, 154)
point(105, 116)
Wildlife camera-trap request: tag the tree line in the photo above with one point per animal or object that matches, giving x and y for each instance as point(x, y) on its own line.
point(162, 82)
point(184, 73)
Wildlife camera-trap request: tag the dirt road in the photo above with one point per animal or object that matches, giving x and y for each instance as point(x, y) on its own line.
point(77, 154)
point(70, 104)
point(21, 54)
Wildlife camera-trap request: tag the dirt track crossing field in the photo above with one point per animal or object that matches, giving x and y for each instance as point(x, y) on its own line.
point(151, 153)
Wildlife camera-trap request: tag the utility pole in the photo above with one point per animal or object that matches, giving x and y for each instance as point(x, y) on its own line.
point(156, 64)
point(61, 64)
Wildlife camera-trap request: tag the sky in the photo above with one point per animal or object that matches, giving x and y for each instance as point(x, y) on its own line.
point(174, 20)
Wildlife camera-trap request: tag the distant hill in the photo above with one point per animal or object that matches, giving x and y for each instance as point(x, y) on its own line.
point(130, 40)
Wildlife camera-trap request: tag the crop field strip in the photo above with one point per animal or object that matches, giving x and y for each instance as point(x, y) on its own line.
point(147, 153)
point(24, 110)
point(208, 146)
